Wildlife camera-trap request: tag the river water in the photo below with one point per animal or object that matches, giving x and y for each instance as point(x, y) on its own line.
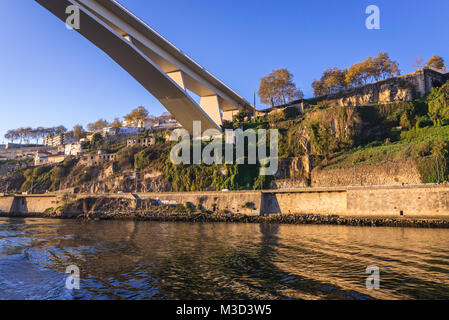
point(153, 260)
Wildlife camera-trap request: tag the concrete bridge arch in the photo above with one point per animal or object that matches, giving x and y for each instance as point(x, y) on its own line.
point(161, 68)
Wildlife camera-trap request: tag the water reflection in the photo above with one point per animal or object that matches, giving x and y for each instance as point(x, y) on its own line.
point(149, 260)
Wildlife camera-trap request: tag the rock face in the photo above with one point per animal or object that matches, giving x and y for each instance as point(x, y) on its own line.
point(386, 173)
point(293, 172)
point(402, 88)
point(298, 172)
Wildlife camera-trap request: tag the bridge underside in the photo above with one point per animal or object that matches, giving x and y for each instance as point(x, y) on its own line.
point(162, 69)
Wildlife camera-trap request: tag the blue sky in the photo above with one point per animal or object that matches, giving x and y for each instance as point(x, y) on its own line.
point(50, 75)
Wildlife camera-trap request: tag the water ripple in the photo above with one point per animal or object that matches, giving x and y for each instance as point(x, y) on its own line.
point(149, 260)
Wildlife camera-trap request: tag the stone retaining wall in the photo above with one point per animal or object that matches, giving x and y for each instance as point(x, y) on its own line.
point(384, 173)
point(431, 201)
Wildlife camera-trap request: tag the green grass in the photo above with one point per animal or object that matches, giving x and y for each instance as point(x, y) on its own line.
point(377, 152)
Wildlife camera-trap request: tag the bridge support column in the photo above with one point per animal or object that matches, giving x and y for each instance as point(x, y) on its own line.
point(211, 106)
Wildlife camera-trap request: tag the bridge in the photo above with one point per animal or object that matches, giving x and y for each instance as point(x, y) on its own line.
point(161, 68)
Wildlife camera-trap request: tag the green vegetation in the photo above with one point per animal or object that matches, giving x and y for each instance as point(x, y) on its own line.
point(47, 177)
point(438, 101)
point(330, 136)
point(214, 177)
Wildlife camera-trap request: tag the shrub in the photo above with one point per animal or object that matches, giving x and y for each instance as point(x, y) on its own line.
point(438, 101)
point(249, 205)
point(125, 157)
point(276, 116)
point(428, 170)
point(440, 149)
point(423, 122)
point(96, 141)
point(190, 207)
point(405, 121)
point(262, 182)
point(144, 158)
point(393, 113)
point(423, 149)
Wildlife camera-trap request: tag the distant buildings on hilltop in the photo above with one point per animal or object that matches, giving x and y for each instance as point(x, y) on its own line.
point(65, 144)
point(59, 139)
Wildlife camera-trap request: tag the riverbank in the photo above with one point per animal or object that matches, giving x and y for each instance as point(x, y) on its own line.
point(303, 219)
point(401, 206)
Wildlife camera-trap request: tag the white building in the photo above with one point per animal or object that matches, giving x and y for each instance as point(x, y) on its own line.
point(139, 124)
point(73, 149)
point(111, 131)
point(167, 125)
point(44, 157)
point(130, 130)
point(59, 140)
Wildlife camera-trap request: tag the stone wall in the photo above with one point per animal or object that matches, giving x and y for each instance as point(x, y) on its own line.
point(13, 153)
point(401, 88)
point(306, 201)
point(423, 201)
point(34, 203)
point(430, 201)
point(6, 203)
point(385, 173)
point(238, 202)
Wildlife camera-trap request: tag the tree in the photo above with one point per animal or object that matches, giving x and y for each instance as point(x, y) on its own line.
point(278, 88)
point(244, 113)
point(40, 132)
point(332, 81)
point(50, 131)
point(439, 149)
point(34, 135)
point(137, 115)
point(60, 129)
point(21, 134)
point(97, 126)
point(382, 67)
point(116, 123)
point(359, 74)
point(9, 136)
point(436, 62)
point(96, 140)
point(372, 69)
point(78, 130)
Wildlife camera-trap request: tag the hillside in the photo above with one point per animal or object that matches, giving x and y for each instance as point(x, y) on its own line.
point(322, 142)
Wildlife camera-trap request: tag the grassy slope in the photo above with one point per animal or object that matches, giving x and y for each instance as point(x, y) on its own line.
point(402, 149)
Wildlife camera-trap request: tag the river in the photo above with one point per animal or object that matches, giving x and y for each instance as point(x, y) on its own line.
point(154, 260)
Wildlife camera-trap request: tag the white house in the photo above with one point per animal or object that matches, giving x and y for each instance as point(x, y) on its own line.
point(128, 130)
point(73, 149)
point(41, 157)
point(44, 157)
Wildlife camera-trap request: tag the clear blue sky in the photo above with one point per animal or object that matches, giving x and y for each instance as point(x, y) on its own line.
point(50, 75)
